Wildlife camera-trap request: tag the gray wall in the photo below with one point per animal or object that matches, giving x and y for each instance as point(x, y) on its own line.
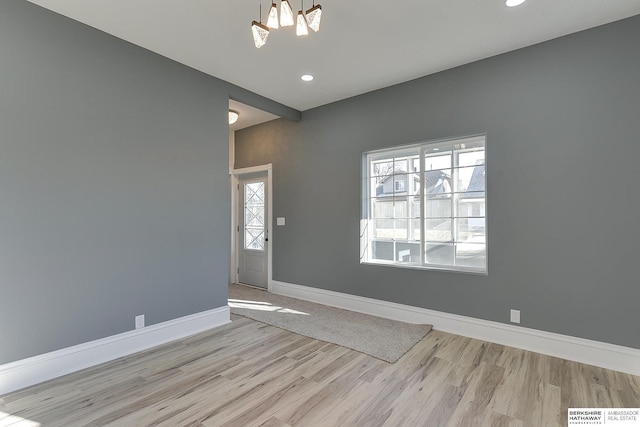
point(113, 184)
point(563, 129)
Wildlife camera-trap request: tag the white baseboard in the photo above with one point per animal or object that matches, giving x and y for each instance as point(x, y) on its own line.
point(33, 370)
point(605, 355)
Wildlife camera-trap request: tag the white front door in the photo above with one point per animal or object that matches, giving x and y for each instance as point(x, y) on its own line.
point(252, 230)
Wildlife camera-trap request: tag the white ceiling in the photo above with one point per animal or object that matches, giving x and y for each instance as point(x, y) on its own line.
point(361, 45)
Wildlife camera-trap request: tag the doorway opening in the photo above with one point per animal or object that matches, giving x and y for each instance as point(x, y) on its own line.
point(251, 225)
point(250, 252)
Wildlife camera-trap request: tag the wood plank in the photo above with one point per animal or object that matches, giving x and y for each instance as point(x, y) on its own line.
point(250, 374)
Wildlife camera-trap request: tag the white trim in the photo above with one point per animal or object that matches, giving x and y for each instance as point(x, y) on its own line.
point(605, 355)
point(233, 261)
point(33, 370)
point(235, 176)
point(232, 150)
point(253, 169)
point(233, 250)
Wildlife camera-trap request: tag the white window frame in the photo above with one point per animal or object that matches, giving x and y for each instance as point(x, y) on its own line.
point(421, 151)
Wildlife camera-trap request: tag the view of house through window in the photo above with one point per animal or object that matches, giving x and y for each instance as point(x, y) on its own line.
point(425, 206)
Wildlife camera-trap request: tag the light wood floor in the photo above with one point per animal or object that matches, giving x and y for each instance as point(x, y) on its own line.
point(250, 374)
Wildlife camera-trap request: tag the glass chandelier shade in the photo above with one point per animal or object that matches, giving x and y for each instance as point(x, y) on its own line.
point(301, 26)
point(272, 20)
point(286, 18)
point(313, 17)
point(260, 33)
point(286, 14)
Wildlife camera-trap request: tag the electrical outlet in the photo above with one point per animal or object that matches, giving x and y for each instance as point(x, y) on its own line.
point(140, 321)
point(515, 316)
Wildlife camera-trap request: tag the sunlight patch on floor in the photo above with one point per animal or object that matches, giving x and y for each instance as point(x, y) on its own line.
point(14, 421)
point(262, 306)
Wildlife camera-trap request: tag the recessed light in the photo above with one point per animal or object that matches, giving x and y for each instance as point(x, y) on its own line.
point(306, 77)
point(514, 3)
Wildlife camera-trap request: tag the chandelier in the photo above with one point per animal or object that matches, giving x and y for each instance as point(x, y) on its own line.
point(304, 21)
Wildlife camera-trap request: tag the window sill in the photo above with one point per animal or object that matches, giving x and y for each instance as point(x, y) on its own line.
point(463, 270)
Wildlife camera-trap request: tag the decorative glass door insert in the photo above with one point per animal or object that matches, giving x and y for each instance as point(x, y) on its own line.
point(254, 217)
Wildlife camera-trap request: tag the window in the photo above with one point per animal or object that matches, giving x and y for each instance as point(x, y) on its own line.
point(424, 206)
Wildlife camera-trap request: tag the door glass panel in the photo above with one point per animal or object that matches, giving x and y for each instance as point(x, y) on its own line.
point(254, 216)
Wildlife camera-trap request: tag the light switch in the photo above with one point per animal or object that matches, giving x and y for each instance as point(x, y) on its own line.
point(280, 220)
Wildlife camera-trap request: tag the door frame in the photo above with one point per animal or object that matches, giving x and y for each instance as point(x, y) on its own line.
point(236, 175)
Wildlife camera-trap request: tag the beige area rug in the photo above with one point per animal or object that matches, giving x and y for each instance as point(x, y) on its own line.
point(382, 338)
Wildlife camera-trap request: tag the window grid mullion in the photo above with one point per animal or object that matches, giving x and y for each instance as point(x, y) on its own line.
point(370, 213)
point(423, 247)
point(455, 162)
